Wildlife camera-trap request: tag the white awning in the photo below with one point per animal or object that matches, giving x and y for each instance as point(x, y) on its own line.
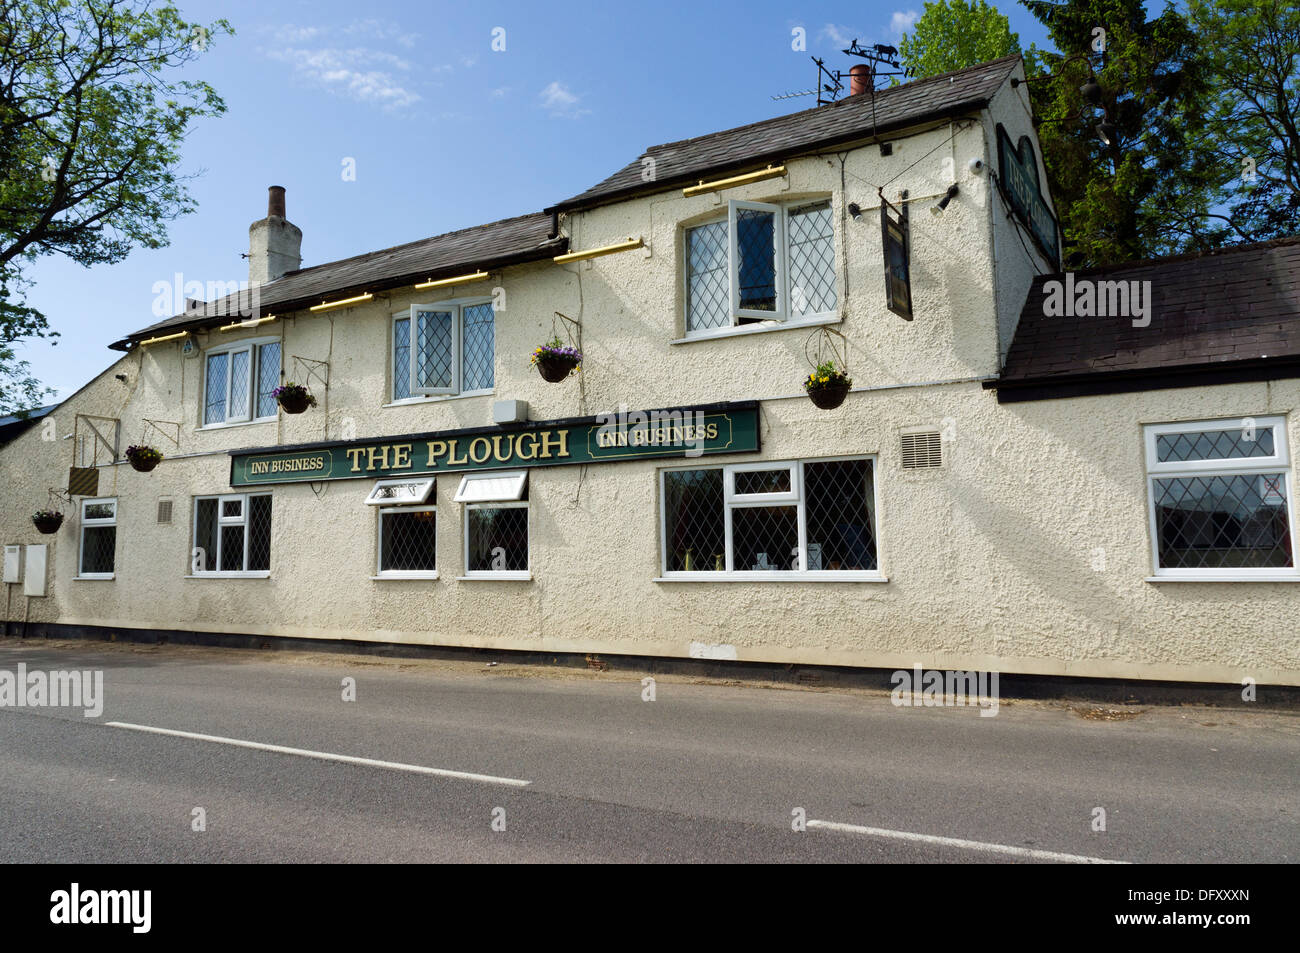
point(492, 487)
point(401, 492)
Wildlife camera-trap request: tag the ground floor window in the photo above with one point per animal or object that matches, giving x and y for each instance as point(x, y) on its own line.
point(407, 528)
point(232, 534)
point(1220, 498)
point(798, 519)
point(98, 539)
point(496, 524)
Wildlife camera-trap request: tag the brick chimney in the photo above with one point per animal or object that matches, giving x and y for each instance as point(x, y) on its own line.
point(274, 243)
point(859, 79)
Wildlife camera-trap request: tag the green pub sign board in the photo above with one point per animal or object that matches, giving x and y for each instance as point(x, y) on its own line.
point(1018, 176)
point(626, 435)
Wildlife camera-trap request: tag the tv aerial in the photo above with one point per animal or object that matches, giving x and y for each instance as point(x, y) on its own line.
point(882, 61)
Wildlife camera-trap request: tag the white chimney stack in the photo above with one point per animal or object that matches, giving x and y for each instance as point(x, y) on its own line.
point(274, 243)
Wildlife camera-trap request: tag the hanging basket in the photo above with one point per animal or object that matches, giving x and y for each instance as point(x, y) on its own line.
point(555, 368)
point(294, 398)
point(831, 395)
point(48, 522)
point(143, 459)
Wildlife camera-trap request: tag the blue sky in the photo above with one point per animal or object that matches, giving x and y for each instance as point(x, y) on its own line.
point(445, 132)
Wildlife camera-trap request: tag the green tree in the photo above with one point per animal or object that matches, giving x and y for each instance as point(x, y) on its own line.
point(954, 34)
point(1250, 152)
point(1115, 199)
point(91, 123)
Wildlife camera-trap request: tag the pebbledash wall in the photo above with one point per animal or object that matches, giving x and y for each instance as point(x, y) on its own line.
point(1027, 551)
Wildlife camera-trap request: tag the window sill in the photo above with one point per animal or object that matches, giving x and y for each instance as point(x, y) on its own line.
point(239, 423)
point(437, 398)
point(390, 576)
point(96, 577)
point(741, 330)
point(833, 575)
point(258, 574)
point(525, 576)
point(1223, 577)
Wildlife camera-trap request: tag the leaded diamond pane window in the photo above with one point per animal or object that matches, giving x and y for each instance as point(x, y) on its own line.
point(479, 330)
point(496, 538)
point(762, 263)
point(239, 371)
point(706, 277)
point(812, 260)
point(232, 534)
point(1220, 499)
point(824, 524)
point(407, 540)
point(401, 359)
point(694, 521)
point(268, 378)
point(434, 349)
point(214, 405)
point(98, 537)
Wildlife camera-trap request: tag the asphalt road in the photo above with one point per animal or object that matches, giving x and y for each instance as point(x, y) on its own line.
point(704, 772)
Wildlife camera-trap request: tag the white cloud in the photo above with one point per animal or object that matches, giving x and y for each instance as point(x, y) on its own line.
point(837, 34)
point(382, 30)
point(352, 73)
point(901, 22)
point(558, 101)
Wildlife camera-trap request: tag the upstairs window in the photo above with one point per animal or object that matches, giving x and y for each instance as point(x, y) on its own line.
point(1220, 496)
point(238, 381)
point(443, 348)
point(761, 263)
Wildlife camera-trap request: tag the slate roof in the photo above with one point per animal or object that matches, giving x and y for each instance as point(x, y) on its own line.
point(753, 146)
point(509, 241)
point(1228, 310)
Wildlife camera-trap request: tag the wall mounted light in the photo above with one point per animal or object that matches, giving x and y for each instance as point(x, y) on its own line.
point(855, 211)
point(1107, 132)
point(165, 337)
point(1091, 91)
point(937, 209)
point(448, 282)
point(249, 323)
point(596, 252)
point(325, 305)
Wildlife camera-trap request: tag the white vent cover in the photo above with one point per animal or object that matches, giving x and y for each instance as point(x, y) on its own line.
point(922, 450)
point(492, 487)
point(164, 511)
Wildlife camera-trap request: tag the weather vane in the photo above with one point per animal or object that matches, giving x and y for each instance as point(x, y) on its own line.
point(830, 83)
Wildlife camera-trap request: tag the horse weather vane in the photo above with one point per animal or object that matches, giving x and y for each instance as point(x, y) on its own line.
point(881, 61)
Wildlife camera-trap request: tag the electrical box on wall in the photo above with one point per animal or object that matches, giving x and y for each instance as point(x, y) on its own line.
point(13, 564)
point(34, 579)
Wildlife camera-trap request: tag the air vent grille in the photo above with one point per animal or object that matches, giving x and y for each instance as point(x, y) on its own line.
point(922, 450)
point(164, 511)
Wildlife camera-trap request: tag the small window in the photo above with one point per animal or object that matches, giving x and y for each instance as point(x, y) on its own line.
point(232, 534)
point(408, 541)
point(762, 263)
point(446, 348)
point(810, 519)
point(98, 539)
point(238, 382)
point(496, 524)
point(1220, 495)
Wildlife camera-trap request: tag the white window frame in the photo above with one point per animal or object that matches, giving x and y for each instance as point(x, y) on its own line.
point(798, 499)
point(423, 488)
point(88, 522)
point(1278, 461)
point(419, 394)
point(223, 520)
point(254, 348)
point(782, 316)
point(513, 500)
point(380, 571)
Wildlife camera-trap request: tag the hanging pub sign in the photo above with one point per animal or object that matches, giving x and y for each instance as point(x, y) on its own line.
point(626, 435)
point(894, 239)
point(1018, 179)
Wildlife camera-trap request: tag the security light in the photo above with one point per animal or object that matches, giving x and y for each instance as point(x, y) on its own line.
point(1091, 92)
point(855, 210)
point(937, 210)
point(1107, 132)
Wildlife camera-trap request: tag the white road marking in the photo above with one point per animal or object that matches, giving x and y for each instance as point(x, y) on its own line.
point(325, 755)
point(957, 842)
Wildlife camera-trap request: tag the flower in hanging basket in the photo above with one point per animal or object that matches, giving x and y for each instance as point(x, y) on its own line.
point(828, 385)
point(294, 398)
point(556, 360)
point(47, 521)
point(143, 458)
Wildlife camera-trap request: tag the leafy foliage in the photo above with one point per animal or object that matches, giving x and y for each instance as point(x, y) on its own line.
point(953, 34)
point(91, 124)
